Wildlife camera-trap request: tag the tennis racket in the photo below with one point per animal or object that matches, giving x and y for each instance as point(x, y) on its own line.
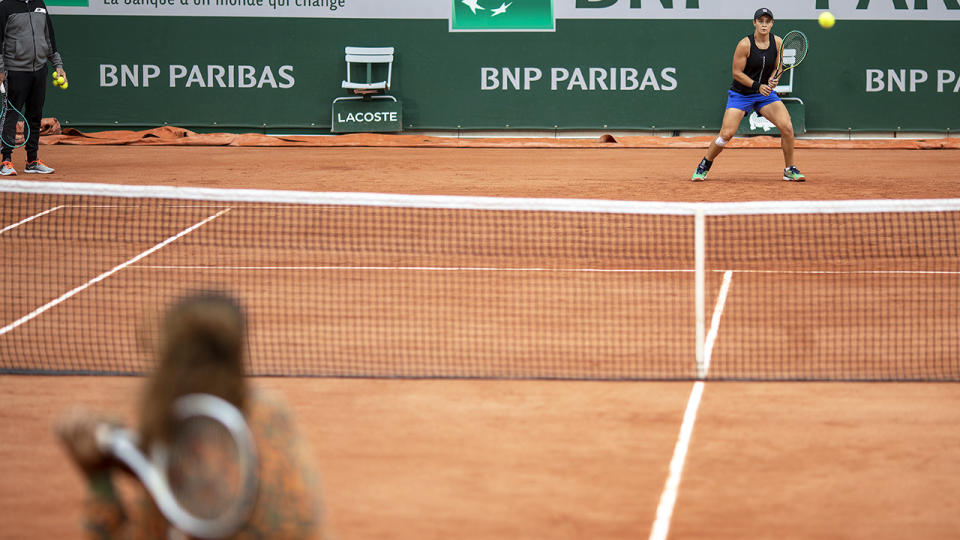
point(4, 107)
point(793, 49)
point(205, 480)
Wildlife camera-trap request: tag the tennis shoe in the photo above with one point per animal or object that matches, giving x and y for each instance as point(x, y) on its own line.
point(700, 174)
point(6, 169)
point(37, 167)
point(792, 174)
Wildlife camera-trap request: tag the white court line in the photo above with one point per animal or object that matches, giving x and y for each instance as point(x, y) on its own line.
point(107, 274)
point(715, 322)
point(519, 269)
point(668, 498)
point(851, 272)
point(420, 268)
point(29, 219)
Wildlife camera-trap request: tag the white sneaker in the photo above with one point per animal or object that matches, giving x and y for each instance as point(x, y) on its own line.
point(37, 167)
point(6, 169)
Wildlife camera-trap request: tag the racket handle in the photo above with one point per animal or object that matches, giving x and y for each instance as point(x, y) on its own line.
point(121, 443)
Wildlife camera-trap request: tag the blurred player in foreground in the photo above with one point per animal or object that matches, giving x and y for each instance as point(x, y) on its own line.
point(754, 62)
point(202, 349)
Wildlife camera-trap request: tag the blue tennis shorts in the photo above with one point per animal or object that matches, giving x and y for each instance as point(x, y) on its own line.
point(736, 100)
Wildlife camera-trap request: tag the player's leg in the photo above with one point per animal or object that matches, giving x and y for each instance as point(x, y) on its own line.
point(776, 113)
point(728, 129)
point(34, 113)
point(16, 97)
point(737, 106)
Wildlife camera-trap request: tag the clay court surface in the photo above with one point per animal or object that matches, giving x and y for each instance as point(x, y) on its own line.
point(416, 459)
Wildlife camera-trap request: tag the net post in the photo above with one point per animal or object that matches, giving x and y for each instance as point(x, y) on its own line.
point(699, 257)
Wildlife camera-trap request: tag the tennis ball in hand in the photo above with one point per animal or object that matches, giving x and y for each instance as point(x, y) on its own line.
point(827, 19)
point(64, 85)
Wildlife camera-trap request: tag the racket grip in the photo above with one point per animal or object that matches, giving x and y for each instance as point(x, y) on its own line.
point(121, 443)
point(108, 436)
point(104, 433)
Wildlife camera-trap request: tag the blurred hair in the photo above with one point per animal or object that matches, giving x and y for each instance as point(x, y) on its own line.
point(201, 350)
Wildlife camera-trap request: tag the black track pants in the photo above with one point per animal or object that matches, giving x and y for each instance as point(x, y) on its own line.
point(26, 90)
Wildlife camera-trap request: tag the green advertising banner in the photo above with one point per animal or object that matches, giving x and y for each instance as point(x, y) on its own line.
point(525, 15)
point(277, 65)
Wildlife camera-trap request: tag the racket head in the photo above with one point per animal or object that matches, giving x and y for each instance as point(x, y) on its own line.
point(211, 467)
point(795, 41)
point(205, 479)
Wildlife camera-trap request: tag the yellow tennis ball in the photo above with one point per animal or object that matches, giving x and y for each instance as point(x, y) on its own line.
point(827, 19)
point(55, 75)
point(61, 80)
point(64, 85)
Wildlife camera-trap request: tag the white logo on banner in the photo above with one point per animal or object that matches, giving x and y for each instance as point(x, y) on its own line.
point(759, 122)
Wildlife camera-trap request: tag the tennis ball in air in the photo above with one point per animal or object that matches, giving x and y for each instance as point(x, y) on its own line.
point(827, 19)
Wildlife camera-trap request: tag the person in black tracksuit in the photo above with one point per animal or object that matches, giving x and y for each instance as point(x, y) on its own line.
point(28, 43)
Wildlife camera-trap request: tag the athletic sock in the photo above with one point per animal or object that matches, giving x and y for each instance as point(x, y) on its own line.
point(705, 164)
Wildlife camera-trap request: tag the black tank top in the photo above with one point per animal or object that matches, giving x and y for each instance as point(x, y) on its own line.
point(760, 65)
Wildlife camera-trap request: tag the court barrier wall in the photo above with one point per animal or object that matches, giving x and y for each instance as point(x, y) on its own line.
point(175, 136)
point(277, 65)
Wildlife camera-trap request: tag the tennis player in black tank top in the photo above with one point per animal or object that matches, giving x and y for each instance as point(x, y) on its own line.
point(754, 63)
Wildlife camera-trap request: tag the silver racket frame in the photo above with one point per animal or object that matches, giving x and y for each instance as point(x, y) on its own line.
point(122, 443)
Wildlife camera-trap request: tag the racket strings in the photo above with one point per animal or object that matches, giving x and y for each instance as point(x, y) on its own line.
point(796, 41)
point(205, 468)
point(205, 478)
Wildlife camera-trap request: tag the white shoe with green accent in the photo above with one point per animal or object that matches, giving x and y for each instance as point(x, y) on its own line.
point(792, 174)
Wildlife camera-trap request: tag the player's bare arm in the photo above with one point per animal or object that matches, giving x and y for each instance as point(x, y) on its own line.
point(740, 56)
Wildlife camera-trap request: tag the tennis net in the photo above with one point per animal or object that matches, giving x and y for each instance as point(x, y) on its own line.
point(370, 285)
